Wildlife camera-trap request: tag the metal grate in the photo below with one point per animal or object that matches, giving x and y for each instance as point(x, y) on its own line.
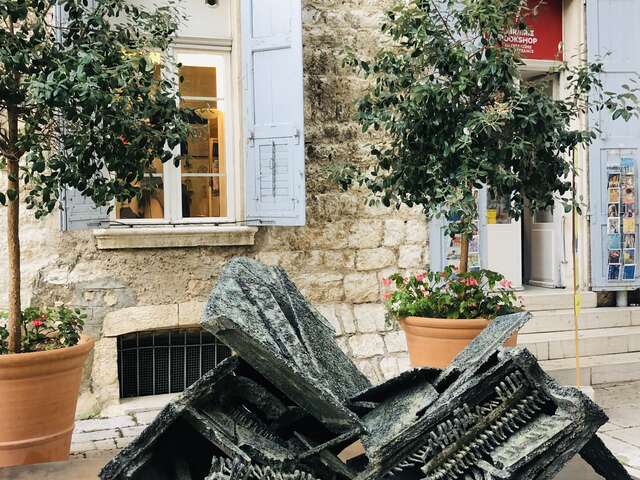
point(166, 361)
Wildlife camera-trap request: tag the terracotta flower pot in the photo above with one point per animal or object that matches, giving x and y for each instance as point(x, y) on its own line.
point(435, 342)
point(38, 395)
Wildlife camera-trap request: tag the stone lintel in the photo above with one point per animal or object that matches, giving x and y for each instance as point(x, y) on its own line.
point(152, 317)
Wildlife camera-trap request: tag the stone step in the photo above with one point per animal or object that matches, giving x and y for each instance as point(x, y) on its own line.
point(540, 299)
point(593, 342)
point(595, 370)
point(590, 318)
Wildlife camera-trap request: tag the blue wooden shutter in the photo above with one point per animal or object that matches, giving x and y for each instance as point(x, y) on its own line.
point(80, 213)
point(613, 37)
point(273, 111)
point(77, 211)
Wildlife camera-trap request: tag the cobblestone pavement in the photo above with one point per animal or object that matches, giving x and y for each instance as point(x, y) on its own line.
point(96, 441)
point(109, 433)
point(87, 466)
point(622, 433)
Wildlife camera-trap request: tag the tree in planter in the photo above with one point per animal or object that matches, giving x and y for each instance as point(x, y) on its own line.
point(454, 116)
point(81, 106)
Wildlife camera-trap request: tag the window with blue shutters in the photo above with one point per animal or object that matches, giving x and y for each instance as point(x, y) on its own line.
point(254, 176)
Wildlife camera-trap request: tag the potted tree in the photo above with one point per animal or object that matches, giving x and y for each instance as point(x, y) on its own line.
point(454, 117)
point(81, 107)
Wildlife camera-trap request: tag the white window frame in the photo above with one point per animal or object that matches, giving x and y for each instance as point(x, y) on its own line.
point(171, 173)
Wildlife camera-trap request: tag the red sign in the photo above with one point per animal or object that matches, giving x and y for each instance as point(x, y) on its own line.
point(543, 39)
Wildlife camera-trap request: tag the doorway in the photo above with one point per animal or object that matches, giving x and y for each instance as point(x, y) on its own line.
point(543, 249)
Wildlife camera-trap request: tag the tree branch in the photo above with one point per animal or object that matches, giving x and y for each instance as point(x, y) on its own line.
point(444, 21)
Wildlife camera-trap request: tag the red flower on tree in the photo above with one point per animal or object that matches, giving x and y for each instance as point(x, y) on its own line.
point(470, 282)
point(37, 323)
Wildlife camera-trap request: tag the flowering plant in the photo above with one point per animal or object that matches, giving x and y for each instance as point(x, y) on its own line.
point(45, 329)
point(447, 294)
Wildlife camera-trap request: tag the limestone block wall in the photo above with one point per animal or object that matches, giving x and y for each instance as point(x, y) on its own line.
point(379, 350)
point(338, 259)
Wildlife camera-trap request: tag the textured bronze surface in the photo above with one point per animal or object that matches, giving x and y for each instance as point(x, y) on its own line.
point(290, 401)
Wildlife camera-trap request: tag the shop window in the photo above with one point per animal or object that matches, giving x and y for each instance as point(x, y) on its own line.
point(244, 167)
point(498, 209)
point(203, 173)
point(150, 204)
point(198, 190)
point(166, 361)
point(543, 216)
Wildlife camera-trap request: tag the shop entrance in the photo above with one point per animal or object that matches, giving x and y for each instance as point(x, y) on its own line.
point(528, 251)
point(542, 248)
point(532, 250)
point(543, 231)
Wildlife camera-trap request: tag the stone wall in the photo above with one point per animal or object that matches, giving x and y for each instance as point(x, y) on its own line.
point(338, 259)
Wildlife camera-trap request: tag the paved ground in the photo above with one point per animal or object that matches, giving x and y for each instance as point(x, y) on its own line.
point(622, 435)
point(88, 468)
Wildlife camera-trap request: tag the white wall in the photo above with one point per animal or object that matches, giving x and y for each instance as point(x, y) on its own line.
point(203, 21)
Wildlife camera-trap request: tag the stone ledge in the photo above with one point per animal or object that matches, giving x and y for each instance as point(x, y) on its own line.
point(173, 236)
point(151, 317)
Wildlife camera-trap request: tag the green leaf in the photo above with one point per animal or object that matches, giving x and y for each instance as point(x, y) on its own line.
point(86, 83)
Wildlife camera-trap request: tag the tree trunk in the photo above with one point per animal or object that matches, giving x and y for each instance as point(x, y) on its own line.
point(13, 239)
point(464, 253)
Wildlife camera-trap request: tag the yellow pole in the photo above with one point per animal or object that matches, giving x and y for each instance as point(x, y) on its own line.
point(577, 300)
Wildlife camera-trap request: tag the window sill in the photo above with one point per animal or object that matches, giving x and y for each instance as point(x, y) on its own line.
point(173, 236)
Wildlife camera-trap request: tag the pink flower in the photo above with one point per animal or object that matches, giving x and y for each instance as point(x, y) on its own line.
point(386, 282)
point(504, 283)
point(420, 277)
point(470, 282)
point(123, 140)
point(37, 323)
point(386, 296)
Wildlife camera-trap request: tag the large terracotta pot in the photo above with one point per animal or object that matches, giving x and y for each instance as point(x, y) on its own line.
point(38, 395)
point(435, 342)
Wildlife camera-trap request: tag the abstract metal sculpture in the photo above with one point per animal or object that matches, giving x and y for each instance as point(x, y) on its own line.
point(290, 405)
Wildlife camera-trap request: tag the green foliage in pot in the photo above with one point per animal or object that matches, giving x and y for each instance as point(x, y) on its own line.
point(45, 329)
point(449, 114)
point(81, 106)
point(478, 294)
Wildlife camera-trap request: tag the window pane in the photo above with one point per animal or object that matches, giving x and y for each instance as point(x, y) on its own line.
point(498, 210)
point(151, 201)
point(198, 82)
point(544, 216)
point(203, 171)
point(149, 205)
point(201, 197)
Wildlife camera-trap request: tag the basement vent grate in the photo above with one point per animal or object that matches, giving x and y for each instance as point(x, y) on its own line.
point(166, 361)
